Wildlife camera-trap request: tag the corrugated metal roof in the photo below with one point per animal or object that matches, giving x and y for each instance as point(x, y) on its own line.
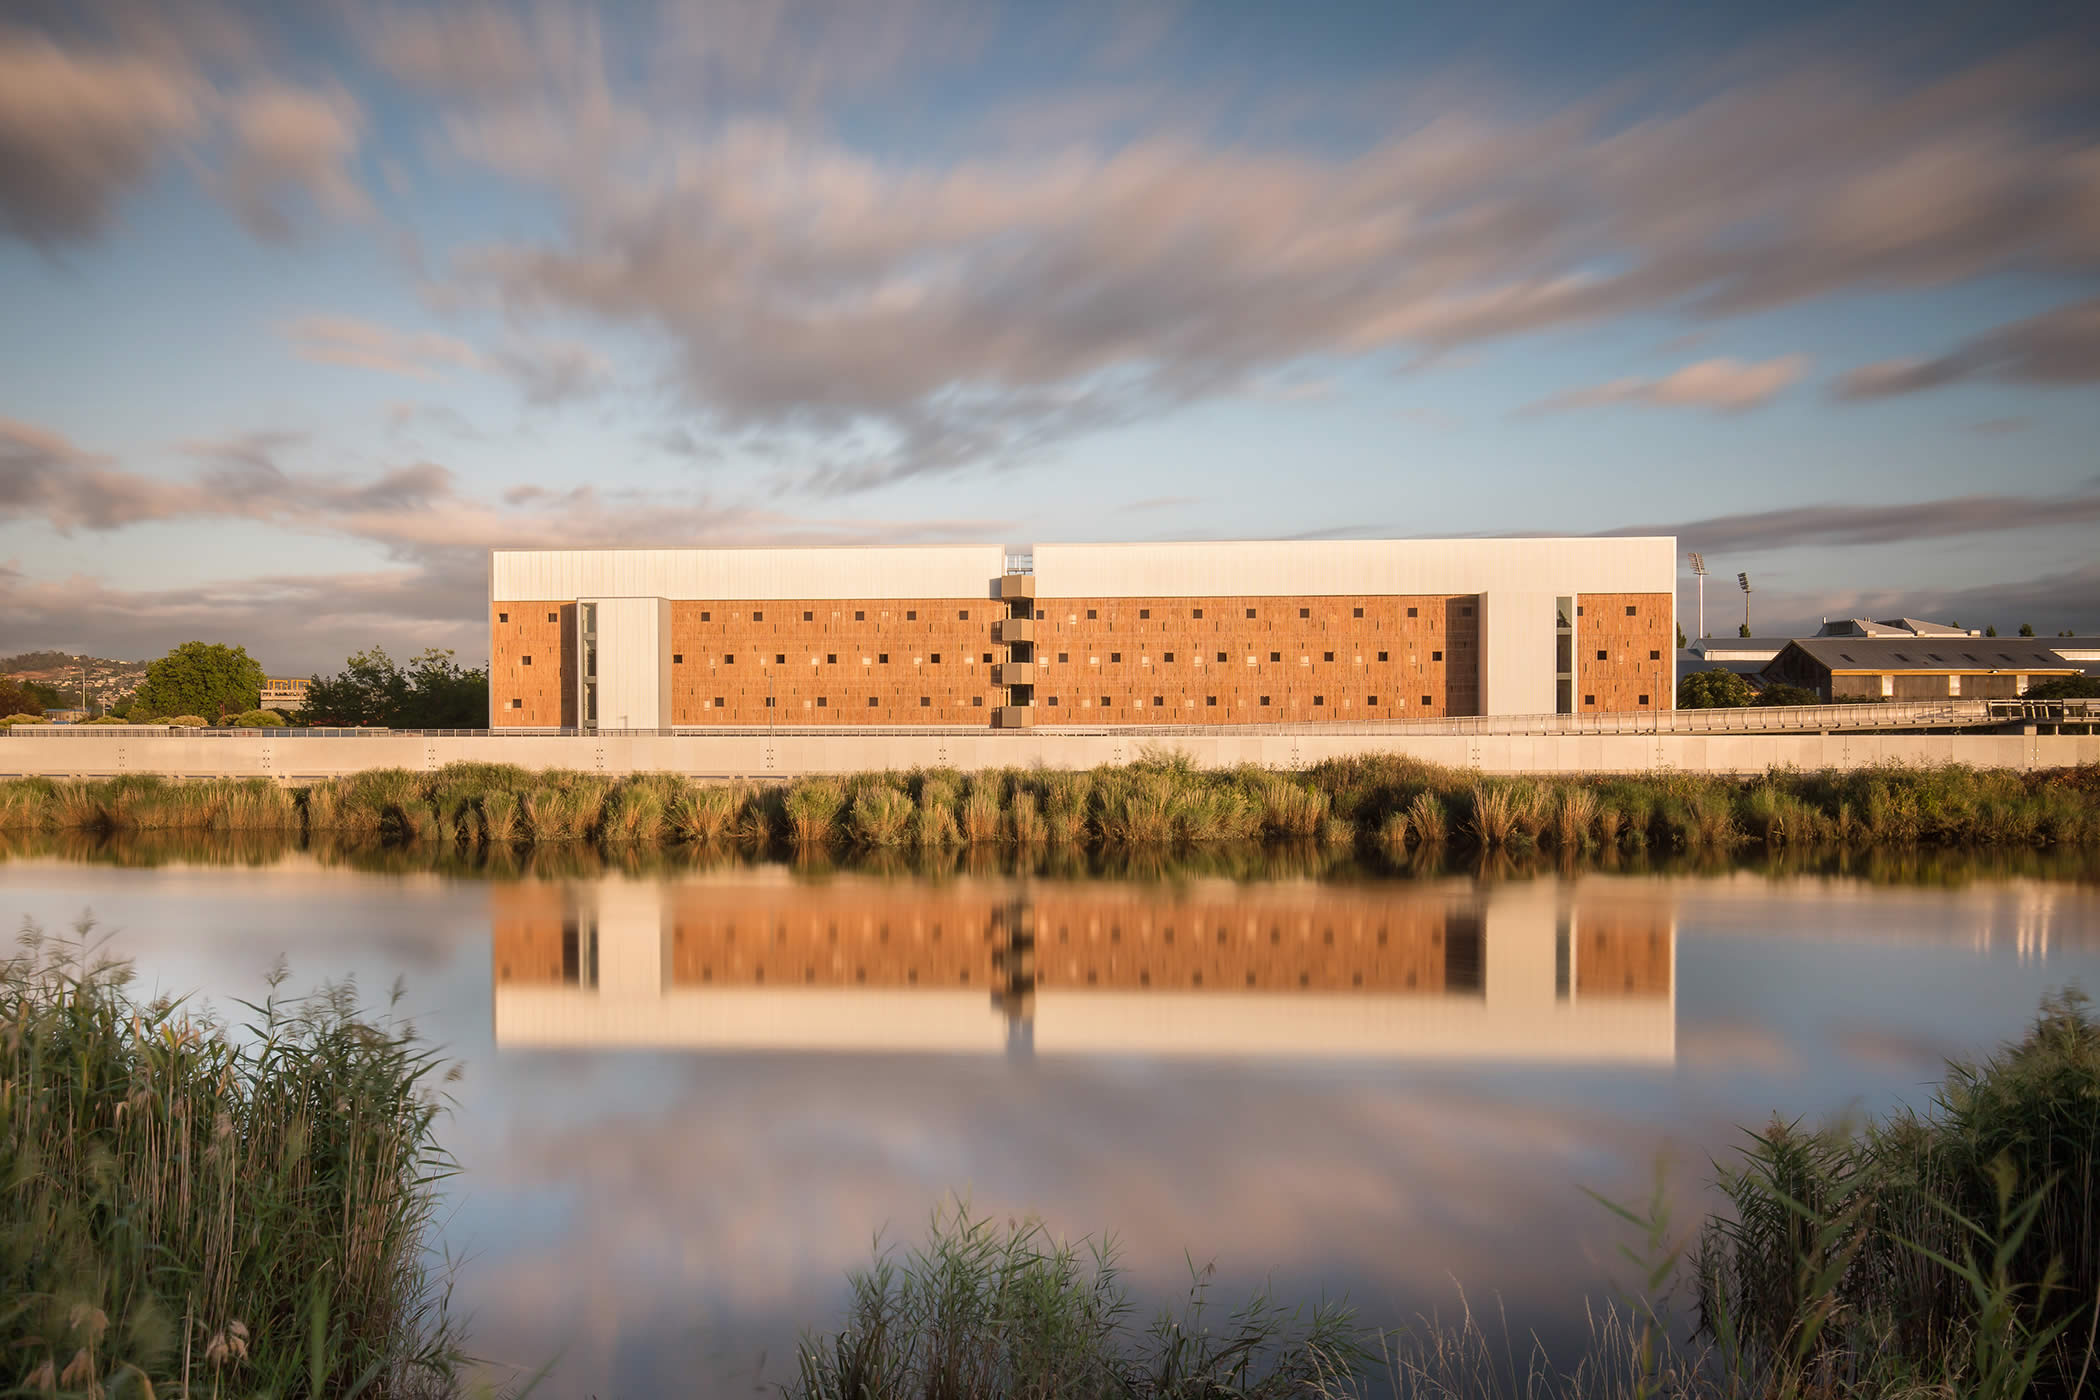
point(2024, 654)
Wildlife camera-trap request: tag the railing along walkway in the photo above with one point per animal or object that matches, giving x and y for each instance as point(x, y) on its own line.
point(1800, 719)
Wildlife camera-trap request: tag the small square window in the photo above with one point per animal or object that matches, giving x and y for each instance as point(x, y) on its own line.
point(1169, 656)
point(1115, 656)
point(1410, 612)
point(1383, 655)
point(1425, 700)
point(1221, 656)
point(553, 617)
point(936, 658)
point(873, 702)
point(706, 616)
point(1655, 656)
point(978, 701)
point(1040, 615)
point(911, 614)
point(1196, 613)
point(729, 658)
point(1091, 614)
point(758, 617)
point(769, 702)
point(1578, 610)
point(1603, 655)
point(1265, 700)
point(502, 617)
point(1644, 700)
point(1631, 610)
point(718, 702)
point(1370, 699)
point(1275, 656)
point(780, 658)
point(1356, 612)
point(1467, 611)
point(1305, 612)
point(1250, 618)
point(1211, 701)
point(1319, 699)
point(678, 658)
point(1159, 702)
point(823, 702)
point(882, 658)
point(517, 704)
point(1145, 613)
point(1063, 657)
point(1053, 702)
point(1327, 656)
point(524, 661)
point(808, 616)
point(962, 615)
point(1104, 702)
point(831, 658)
point(1433, 656)
point(925, 702)
point(987, 656)
point(1589, 699)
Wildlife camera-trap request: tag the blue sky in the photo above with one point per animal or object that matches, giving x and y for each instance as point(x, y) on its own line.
point(308, 307)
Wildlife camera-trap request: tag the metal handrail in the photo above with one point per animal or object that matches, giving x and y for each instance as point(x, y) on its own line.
point(1776, 719)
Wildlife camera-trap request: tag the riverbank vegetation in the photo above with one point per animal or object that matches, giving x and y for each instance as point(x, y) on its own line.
point(191, 1210)
point(1394, 804)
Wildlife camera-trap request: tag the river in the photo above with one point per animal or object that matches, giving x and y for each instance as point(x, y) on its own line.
point(694, 1094)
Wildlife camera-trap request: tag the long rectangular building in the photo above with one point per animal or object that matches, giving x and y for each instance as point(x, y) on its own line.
point(1254, 632)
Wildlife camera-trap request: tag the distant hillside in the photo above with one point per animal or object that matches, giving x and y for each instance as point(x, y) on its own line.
point(108, 681)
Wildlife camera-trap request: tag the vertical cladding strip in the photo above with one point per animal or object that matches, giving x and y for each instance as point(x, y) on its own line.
point(1639, 652)
point(821, 660)
point(1405, 657)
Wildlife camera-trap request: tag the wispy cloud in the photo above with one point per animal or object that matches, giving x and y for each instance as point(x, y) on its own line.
point(346, 340)
point(2055, 349)
point(1894, 523)
point(1724, 385)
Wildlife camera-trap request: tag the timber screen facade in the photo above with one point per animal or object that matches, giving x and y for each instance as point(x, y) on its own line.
point(974, 636)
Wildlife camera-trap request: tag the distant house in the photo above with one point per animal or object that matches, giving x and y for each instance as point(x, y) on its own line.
point(65, 716)
point(284, 694)
point(1917, 667)
point(1891, 627)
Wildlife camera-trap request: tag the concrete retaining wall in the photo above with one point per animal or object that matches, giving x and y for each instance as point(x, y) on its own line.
point(787, 755)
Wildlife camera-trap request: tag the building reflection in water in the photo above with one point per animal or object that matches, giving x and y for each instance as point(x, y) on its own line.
point(758, 961)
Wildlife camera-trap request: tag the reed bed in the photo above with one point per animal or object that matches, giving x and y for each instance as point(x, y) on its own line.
point(1391, 804)
point(190, 1211)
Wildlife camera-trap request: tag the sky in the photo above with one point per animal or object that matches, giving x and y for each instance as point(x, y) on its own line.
point(305, 308)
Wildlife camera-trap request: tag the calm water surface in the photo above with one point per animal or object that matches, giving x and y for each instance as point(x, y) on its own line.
point(691, 1100)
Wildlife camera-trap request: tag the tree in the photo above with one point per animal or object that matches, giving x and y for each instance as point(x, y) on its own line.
point(434, 692)
point(15, 698)
point(2027, 629)
point(2066, 688)
point(1713, 690)
point(202, 678)
point(1743, 631)
point(1788, 695)
point(1680, 637)
point(1991, 631)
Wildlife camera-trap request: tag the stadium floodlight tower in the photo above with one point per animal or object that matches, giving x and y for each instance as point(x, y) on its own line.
point(1699, 570)
point(1743, 582)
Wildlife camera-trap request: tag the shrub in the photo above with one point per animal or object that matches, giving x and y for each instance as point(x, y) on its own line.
point(881, 816)
point(187, 721)
point(812, 807)
point(1717, 689)
point(258, 719)
point(2066, 688)
point(1776, 695)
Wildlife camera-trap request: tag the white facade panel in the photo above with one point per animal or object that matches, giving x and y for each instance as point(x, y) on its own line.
point(1646, 564)
point(1517, 652)
point(931, 571)
point(633, 662)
